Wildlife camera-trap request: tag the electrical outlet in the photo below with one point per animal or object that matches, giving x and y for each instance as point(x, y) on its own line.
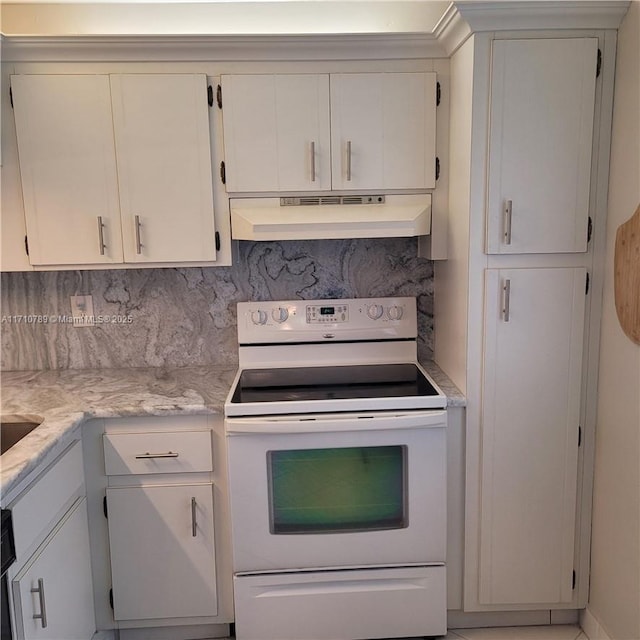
point(82, 311)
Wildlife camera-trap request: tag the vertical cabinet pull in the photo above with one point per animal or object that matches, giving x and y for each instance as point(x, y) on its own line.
point(138, 242)
point(349, 160)
point(42, 616)
point(506, 295)
point(194, 523)
point(312, 151)
point(101, 235)
point(507, 221)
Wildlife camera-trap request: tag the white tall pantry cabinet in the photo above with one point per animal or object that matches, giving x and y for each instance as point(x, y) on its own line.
point(529, 167)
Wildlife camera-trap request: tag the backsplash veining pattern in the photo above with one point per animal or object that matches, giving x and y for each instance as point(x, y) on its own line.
point(187, 316)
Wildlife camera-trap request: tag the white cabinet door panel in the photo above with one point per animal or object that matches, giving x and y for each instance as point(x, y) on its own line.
point(68, 168)
point(276, 132)
point(530, 420)
point(161, 125)
point(383, 130)
point(60, 571)
point(542, 111)
point(160, 569)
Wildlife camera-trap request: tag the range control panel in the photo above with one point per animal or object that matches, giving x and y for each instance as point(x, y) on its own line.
point(286, 321)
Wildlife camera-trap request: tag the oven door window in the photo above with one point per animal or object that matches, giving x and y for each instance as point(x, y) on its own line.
point(337, 489)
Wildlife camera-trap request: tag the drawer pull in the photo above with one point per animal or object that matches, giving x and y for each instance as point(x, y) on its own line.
point(147, 455)
point(42, 616)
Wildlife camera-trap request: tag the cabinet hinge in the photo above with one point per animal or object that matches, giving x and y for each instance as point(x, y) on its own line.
point(579, 436)
point(217, 241)
point(586, 289)
point(210, 95)
point(11, 96)
point(438, 94)
point(223, 173)
point(589, 230)
point(437, 168)
point(104, 507)
point(26, 244)
point(599, 63)
point(219, 96)
point(111, 598)
point(573, 580)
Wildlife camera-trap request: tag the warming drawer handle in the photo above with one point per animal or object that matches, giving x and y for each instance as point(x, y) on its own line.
point(148, 456)
point(42, 616)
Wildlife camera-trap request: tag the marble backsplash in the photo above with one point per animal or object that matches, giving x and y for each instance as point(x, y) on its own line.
point(187, 316)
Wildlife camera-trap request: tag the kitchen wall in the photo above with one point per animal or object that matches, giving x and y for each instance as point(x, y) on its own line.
point(186, 316)
point(614, 600)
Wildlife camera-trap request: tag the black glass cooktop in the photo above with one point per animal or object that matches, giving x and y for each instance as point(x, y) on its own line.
point(330, 383)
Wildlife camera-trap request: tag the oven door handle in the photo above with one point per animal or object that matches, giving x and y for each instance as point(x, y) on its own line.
point(388, 421)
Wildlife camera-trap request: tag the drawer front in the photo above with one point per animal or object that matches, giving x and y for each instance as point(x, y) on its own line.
point(37, 509)
point(157, 452)
point(368, 603)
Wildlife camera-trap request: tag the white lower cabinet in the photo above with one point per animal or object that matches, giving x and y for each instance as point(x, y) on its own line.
point(534, 320)
point(162, 551)
point(53, 593)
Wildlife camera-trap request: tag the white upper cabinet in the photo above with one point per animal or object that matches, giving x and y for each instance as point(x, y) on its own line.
point(161, 126)
point(68, 168)
point(276, 131)
point(316, 132)
point(383, 130)
point(541, 125)
point(115, 168)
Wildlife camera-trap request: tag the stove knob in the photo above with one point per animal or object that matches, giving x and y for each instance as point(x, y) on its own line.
point(280, 314)
point(259, 317)
point(375, 311)
point(395, 313)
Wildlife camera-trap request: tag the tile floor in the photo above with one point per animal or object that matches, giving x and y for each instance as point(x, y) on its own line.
point(547, 632)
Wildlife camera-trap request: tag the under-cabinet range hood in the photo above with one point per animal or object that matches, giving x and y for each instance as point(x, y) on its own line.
point(330, 217)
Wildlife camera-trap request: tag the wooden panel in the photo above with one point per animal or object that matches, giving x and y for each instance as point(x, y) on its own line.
point(159, 569)
point(161, 125)
point(172, 452)
point(627, 276)
point(68, 168)
point(542, 109)
point(530, 419)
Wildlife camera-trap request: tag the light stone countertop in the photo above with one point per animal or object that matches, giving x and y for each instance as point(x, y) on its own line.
point(64, 399)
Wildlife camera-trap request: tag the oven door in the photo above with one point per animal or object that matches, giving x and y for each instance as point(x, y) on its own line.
point(337, 490)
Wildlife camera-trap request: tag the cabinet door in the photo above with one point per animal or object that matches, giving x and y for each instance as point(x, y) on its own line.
point(161, 125)
point(53, 594)
point(542, 108)
point(162, 551)
point(383, 130)
point(68, 168)
point(276, 132)
point(534, 322)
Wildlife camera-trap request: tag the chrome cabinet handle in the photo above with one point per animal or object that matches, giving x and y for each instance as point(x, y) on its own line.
point(349, 160)
point(101, 235)
point(312, 151)
point(194, 523)
point(138, 242)
point(147, 455)
point(506, 299)
point(507, 221)
point(42, 616)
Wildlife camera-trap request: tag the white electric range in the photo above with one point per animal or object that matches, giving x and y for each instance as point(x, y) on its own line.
point(337, 450)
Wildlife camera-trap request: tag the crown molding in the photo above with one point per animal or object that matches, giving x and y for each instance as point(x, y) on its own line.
point(221, 48)
point(452, 30)
point(542, 14)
